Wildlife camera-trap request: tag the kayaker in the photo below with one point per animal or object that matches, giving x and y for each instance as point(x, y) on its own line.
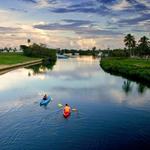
point(45, 97)
point(67, 109)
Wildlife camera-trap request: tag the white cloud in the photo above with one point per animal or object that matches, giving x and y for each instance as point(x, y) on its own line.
point(86, 43)
point(43, 4)
point(123, 4)
point(145, 2)
point(51, 4)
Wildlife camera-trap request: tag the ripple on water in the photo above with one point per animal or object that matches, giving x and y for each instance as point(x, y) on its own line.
point(104, 121)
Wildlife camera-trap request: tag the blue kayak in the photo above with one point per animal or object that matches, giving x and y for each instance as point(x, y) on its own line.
point(45, 102)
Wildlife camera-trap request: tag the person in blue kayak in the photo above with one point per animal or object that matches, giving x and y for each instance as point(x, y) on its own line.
point(45, 97)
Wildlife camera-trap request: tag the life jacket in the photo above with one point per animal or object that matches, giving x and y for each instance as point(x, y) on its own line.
point(67, 109)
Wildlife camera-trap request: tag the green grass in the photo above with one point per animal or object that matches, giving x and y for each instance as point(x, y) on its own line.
point(13, 58)
point(135, 69)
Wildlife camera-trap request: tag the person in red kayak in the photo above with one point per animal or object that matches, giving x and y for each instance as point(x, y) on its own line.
point(67, 110)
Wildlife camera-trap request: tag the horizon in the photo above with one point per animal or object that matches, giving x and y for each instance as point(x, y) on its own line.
point(79, 24)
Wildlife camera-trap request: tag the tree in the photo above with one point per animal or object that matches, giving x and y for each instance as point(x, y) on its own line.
point(43, 45)
point(14, 50)
point(29, 41)
point(93, 50)
point(144, 46)
point(35, 50)
point(130, 42)
point(133, 47)
point(10, 49)
point(5, 49)
point(127, 87)
point(141, 88)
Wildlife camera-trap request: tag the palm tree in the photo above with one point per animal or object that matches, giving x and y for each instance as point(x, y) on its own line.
point(14, 50)
point(130, 42)
point(134, 45)
point(5, 49)
point(144, 45)
point(141, 88)
point(29, 41)
point(127, 87)
point(93, 50)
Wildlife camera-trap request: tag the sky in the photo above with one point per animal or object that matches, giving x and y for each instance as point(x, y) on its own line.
point(79, 24)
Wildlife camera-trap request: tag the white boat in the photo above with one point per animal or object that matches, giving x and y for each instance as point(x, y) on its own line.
point(62, 56)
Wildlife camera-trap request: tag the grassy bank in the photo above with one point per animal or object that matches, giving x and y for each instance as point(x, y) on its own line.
point(134, 69)
point(13, 58)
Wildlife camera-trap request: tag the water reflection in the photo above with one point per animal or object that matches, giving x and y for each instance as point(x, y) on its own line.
point(41, 68)
point(128, 77)
point(106, 112)
point(128, 87)
point(141, 89)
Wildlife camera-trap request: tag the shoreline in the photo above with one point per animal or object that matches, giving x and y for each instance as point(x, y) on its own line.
point(127, 69)
point(6, 68)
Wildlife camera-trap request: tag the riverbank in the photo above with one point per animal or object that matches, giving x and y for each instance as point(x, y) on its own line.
point(11, 61)
point(134, 69)
point(14, 58)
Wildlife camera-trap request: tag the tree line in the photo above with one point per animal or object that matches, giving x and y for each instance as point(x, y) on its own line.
point(92, 51)
point(132, 48)
point(38, 50)
point(140, 48)
point(8, 49)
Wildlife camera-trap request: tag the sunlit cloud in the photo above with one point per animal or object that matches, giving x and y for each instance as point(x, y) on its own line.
point(86, 43)
point(121, 5)
point(72, 24)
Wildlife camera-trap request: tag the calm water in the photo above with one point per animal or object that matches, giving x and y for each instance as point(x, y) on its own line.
point(113, 113)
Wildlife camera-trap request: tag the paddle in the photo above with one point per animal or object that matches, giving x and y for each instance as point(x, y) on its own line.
point(60, 105)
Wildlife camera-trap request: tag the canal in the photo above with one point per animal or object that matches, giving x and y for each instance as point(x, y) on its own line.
point(112, 112)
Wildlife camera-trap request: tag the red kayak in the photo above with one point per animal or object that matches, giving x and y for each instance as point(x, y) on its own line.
point(66, 114)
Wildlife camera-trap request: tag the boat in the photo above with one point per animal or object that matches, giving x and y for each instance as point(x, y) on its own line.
point(62, 56)
point(66, 115)
point(45, 102)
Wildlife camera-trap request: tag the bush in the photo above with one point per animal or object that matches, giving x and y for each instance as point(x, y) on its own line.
point(119, 53)
point(134, 69)
point(40, 51)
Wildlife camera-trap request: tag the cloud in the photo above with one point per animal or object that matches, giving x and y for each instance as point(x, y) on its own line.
point(46, 3)
point(138, 5)
point(80, 27)
point(83, 7)
point(86, 43)
point(66, 24)
point(135, 21)
point(72, 24)
point(9, 29)
point(98, 32)
point(130, 5)
point(145, 2)
point(29, 1)
point(18, 10)
point(121, 5)
point(78, 22)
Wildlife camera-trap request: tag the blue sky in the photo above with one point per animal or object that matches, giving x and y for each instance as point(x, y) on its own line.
point(73, 23)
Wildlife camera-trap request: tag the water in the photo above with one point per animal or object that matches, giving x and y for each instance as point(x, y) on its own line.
point(113, 113)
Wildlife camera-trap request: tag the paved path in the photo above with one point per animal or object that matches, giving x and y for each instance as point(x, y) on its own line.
point(7, 68)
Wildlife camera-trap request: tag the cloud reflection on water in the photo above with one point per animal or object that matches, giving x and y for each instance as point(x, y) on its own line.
point(77, 79)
